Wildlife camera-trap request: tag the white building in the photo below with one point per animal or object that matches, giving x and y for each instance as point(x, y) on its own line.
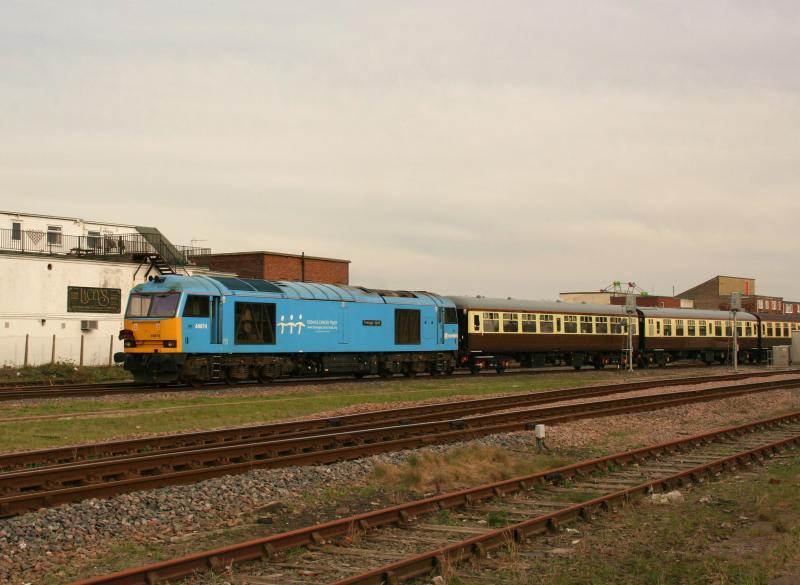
point(64, 284)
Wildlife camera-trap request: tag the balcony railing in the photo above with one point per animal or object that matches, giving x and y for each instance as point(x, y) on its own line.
point(117, 246)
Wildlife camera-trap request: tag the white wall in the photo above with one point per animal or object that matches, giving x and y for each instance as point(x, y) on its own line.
point(69, 226)
point(33, 302)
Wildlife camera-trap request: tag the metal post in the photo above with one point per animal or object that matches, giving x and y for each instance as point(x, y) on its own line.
point(25, 359)
point(735, 344)
point(81, 359)
point(53, 351)
point(630, 344)
point(111, 350)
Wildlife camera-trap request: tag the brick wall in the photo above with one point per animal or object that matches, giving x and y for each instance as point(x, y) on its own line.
point(270, 266)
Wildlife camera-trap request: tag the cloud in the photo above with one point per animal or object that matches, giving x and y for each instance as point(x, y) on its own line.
point(513, 150)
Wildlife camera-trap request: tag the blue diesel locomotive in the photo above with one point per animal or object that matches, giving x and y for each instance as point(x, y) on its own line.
point(194, 329)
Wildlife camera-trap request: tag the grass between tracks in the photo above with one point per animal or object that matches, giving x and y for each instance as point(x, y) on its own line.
point(63, 372)
point(114, 417)
point(742, 530)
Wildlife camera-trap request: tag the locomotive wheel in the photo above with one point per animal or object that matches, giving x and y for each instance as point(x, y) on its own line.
point(450, 371)
point(499, 369)
point(358, 375)
point(196, 383)
point(599, 365)
point(474, 370)
point(385, 374)
point(409, 373)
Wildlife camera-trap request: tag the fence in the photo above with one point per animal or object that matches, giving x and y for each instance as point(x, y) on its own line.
point(98, 245)
point(30, 350)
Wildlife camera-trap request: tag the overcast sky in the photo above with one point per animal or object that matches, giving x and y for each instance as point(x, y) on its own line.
point(501, 148)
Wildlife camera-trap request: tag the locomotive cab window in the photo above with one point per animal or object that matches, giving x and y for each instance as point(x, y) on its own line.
point(448, 315)
point(254, 323)
point(491, 322)
point(510, 323)
point(152, 305)
point(406, 326)
point(196, 306)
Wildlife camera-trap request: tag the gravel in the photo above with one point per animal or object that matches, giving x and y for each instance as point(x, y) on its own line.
point(41, 543)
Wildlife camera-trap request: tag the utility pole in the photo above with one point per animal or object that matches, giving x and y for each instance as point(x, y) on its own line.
point(736, 306)
point(630, 309)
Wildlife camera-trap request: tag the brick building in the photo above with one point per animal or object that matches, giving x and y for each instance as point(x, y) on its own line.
point(715, 294)
point(791, 307)
point(279, 266)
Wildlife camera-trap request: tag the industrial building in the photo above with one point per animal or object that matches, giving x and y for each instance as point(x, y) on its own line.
point(715, 294)
point(279, 266)
point(65, 281)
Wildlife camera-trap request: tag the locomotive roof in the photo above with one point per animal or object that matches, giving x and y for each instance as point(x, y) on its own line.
point(289, 289)
point(488, 304)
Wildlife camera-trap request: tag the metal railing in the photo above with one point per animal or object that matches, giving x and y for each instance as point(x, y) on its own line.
point(116, 246)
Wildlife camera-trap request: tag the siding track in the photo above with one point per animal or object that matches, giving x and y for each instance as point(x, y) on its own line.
point(397, 544)
point(344, 438)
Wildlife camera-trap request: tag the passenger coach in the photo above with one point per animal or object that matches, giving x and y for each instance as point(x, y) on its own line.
point(198, 328)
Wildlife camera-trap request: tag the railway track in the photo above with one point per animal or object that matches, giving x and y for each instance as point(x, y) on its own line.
point(88, 390)
point(252, 433)
point(49, 485)
point(398, 544)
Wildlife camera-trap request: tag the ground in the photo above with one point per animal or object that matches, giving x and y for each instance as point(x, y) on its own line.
point(654, 549)
point(62, 373)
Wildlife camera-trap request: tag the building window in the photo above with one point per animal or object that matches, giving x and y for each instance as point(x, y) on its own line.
point(570, 324)
point(601, 325)
point(760, 304)
point(528, 323)
point(54, 235)
point(587, 325)
point(510, 323)
point(546, 322)
point(491, 322)
point(16, 231)
point(93, 240)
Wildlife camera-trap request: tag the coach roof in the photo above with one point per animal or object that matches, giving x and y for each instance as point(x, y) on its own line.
point(488, 304)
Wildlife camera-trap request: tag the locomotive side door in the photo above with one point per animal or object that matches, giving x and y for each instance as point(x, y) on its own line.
point(215, 333)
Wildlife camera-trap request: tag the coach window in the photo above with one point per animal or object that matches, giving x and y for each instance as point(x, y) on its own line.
point(748, 328)
point(510, 323)
point(491, 322)
point(728, 329)
point(570, 324)
point(679, 331)
point(196, 306)
point(558, 324)
point(476, 322)
point(703, 329)
point(718, 328)
point(738, 329)
point(546, 323)
point(769, 329)
point(587, 326)
point(658, 327)
point(786, 330)
point(601, 325)
point(254, 324)
point(667, 327)
point(634, 328)
point(616, 325)
point(691, 330)
point(528, 323)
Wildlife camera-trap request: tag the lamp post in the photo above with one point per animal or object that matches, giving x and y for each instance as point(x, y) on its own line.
point(736, 306)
